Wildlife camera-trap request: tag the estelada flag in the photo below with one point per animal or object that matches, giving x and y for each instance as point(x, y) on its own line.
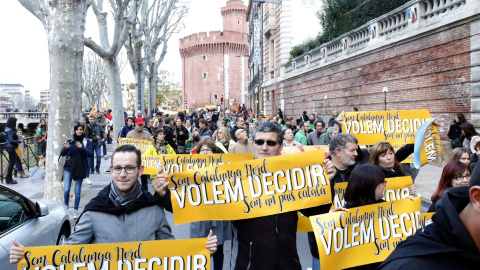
point(235, 106)
point(92, 111)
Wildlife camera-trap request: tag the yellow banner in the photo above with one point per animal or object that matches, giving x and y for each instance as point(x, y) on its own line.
point(365, 234)
point(305, 148)
point(250, 189)
point(165, 254)
point(182, 163)
point(396, 127)
point(427, 144)
point(396, 189)
point(141, 145)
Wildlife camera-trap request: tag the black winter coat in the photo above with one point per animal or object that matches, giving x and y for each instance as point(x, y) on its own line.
point(444, 244)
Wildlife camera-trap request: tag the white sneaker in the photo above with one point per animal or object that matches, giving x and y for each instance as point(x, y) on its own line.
point(87, 181)
point(75, 214)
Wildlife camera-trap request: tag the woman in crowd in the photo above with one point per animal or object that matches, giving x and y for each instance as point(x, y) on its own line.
point(365, 186)
point(11, 144)
point(222, 229)
point(42, 127)
point(454, 174)
point(75, 150)
point(189, 127)
point(288, 138)
point(475, 148)
point(470, 134)
point(459, 154)
point(224, 141)
point(181, 135)
point(383, 156)
point(455, 131)
point(129, 126)
point(159, 146)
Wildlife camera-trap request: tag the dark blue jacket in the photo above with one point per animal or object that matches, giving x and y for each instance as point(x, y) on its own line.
point(9, 138)
point(85, 151)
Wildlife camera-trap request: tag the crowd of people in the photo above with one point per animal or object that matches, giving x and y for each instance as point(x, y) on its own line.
point(270, 242)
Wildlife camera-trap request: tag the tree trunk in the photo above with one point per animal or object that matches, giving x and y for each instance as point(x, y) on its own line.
point(153, 81)
point(116, 96)
point(65, 29)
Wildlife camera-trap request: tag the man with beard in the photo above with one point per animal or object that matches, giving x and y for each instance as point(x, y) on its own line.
point(203, 131)
point(314, 136)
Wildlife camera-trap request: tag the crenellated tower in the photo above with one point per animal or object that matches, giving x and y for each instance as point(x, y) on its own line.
point(215, 63)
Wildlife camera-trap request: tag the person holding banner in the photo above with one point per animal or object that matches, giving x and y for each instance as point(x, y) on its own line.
point(222, 229)
point(270, 242)
point(224, 141)
point(122, 211)
point(159, 146)
point(454, 174)
point(383, 155)
point(451, 240)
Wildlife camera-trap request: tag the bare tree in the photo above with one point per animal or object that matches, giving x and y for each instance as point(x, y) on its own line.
point(95, 82)
point(156, 21)
point(123, 15)
point(64, 23)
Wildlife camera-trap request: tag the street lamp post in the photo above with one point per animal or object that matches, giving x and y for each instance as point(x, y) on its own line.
point(385, 91)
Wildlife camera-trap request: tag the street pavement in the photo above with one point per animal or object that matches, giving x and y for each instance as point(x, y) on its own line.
point(33, 188)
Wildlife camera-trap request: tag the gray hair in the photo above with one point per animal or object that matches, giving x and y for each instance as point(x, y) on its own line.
point(270, 127)
point(330, 130)
point(340, 141)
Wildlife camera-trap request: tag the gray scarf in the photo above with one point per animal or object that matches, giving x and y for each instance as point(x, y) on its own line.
point(125, 200)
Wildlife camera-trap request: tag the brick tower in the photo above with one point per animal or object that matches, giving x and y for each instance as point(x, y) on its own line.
point(215, 63)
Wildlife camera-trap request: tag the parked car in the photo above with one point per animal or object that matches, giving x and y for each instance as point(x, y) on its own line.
point(31, 223)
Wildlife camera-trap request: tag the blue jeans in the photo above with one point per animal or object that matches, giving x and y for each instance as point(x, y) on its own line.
point(67, 182)
point(315, 264)
point(98, 154)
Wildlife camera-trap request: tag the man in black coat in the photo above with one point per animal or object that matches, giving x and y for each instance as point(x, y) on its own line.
point(169, 132)
point(452, 240)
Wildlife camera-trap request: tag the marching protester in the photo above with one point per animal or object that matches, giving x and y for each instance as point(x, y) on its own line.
point(76, 151)
point(315, 136)
point(454, 174)
point(383, 155)
point(455, 131)
point(222, 229)
point(239, 123)
point(301, 135)
point(159, 146)
point(127, 128)
point(121, 210)
point(181, 136)
point(11, 144)
point(366, 186)
point(327, 136)
point(98, 138)
point(243, 144)
point(459, 154)
point(451, 240)
point(224, 141)
point(140, 134)
point(288, 138)
point(468, 130)
point(203, 131)
point(169, 136)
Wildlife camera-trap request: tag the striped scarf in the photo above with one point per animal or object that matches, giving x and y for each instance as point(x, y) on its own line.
point(126, 200)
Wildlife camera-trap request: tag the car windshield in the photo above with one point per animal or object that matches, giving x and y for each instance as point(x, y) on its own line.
point(13, 211)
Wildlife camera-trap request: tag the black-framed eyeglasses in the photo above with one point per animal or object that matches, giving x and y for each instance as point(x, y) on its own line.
point(128, 169)
point(460, 177)
point(262, 142)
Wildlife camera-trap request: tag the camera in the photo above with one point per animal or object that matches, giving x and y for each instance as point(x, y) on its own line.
point(70, 141)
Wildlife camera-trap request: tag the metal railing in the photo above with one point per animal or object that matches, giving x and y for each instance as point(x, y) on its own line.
point(29, 158)
point(24, 115)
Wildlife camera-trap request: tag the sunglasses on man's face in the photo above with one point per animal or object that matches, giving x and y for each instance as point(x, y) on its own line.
point(269, 142)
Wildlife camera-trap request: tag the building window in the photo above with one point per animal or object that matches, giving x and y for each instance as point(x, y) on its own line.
point(272, 54)
point(204, 75)
point(268, 96)
point(204, 57)
point(238, 22)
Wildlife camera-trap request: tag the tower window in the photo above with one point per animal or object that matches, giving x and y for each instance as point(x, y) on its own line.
point(238, 22)
point(204, 57)
point(204, 75)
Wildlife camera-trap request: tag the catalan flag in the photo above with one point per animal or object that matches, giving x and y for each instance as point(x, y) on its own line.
point(92, 111)
point(235, 106)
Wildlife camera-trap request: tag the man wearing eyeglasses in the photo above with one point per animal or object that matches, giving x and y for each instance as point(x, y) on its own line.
point(122, 211)
point(270, 242)
point(242, 146)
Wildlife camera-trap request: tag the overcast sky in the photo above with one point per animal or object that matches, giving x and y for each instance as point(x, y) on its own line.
point(24, 51)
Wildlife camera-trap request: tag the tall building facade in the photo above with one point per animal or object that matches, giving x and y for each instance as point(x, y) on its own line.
point(274, 28)
point(45, 97)
point(215, 63)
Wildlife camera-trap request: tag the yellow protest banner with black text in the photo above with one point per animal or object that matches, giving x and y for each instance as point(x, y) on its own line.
point(395, 127)
point(165, 254)
point(141, 145)
point(396, 189)
point(364, 235)
point(250, 189)
point(182, 163)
